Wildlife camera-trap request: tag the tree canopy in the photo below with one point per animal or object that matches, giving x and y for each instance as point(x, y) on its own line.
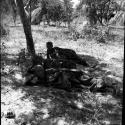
point(99, 10)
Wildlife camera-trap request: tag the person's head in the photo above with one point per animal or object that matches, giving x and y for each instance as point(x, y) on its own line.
point(49, 45)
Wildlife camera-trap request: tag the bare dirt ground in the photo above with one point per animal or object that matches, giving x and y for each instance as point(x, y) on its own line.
point(48, 106)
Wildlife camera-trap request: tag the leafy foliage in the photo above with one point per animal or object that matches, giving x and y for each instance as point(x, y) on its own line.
point(3, 31)
point(57, 10)
point(99, 10)
point(4, 6)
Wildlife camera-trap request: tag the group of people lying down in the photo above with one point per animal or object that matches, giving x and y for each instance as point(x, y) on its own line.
point(59, 67)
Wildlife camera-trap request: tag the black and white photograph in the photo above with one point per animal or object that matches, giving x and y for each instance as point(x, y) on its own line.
point(62, 62)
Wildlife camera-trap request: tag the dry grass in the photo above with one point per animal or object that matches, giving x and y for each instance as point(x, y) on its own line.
point(47, 106)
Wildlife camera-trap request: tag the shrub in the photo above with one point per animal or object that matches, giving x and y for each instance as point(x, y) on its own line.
point(100, 34)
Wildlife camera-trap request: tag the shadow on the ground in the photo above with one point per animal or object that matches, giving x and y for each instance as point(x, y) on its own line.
point(101, 70)
point(51, 103)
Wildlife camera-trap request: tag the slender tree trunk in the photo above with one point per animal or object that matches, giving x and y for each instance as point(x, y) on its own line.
point(68, 24)
point(66, 3)
point(27, 28)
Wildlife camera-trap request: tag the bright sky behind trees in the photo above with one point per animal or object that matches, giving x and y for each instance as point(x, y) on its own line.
point(75, 2)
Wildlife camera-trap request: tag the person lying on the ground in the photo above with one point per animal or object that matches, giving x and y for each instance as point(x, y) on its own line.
point(35, 71)
point(35, 75)
point(61, 53)
point(41, 68)
point(73, 75)
point(64, 78)
point(50, 72)
point(60, 78)
point(48, 63)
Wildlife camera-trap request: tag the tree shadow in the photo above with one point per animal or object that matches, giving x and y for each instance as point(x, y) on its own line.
point(101, 68)
point(51, 103)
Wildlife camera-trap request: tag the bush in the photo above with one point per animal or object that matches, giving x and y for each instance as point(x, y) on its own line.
point(100, 34)
point(88, 33)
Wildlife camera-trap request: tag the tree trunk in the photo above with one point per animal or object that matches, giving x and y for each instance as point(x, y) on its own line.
point(14, 10)
point(67, 4)
point(27, 28)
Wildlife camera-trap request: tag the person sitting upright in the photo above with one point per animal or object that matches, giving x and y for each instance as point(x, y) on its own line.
point(51, 53)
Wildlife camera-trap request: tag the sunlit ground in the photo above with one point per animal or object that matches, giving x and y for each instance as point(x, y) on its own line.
point(47, 106)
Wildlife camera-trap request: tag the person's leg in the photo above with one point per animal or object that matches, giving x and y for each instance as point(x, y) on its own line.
point(81, 61)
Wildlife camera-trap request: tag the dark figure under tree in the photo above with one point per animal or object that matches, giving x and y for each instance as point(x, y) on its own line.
point(66, 54)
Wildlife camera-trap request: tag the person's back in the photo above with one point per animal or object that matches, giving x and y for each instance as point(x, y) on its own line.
point(65, 53)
